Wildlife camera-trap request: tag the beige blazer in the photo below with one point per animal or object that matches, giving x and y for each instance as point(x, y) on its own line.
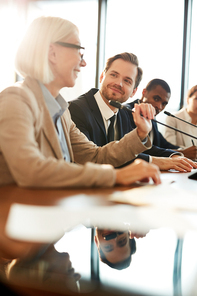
point(30, 152)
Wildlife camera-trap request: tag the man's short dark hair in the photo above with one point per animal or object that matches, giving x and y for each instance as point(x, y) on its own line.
point(122, 264)
point(128, 57)
point(155, 82)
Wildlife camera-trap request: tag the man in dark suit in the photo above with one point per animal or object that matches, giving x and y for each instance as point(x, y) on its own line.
point(92, 112)
point(157, 93)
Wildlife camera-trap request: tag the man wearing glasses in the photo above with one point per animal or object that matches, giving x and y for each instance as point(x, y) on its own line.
point(115, 248)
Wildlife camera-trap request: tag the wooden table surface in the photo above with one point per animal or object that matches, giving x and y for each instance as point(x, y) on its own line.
point(10, 249)
point(13, 194)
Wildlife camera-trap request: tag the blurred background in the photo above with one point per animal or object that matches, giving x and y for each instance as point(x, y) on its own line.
point(162, 33)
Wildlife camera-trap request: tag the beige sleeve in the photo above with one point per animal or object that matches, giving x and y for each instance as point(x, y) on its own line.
point(25, 159)
point(22, 157)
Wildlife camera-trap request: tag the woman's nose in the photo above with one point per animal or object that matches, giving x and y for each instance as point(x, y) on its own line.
point(83, 63)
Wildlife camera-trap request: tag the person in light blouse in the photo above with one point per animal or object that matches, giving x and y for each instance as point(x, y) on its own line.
point(189, 114)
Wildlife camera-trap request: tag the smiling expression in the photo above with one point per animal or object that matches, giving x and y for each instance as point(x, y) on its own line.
point(157, 97)
point(119, 81)
point(116, 249)
point(66, 62)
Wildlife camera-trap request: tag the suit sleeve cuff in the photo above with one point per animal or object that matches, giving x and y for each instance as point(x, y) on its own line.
point(176, 153)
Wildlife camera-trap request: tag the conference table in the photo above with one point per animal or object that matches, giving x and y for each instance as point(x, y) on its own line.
point(47, 238)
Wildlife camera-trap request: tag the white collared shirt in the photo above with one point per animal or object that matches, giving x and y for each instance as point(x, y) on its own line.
point(106, 113)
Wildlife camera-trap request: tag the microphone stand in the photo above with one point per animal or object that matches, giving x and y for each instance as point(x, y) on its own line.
point(175, 129)
point(120, 106)
point(170, 114)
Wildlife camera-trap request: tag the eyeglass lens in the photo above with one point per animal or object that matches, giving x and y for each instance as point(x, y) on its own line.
point(112, 235)
point(81, 53)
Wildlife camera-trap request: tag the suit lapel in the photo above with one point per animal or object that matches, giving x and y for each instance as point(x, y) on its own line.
point(155, 134)
point(123, 122)
point(119, 125)
point(51, 134)
point(95, 109)
point(47, 122)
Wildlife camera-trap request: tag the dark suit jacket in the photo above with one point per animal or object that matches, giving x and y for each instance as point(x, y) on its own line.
point(158, 138)
point(87, 117)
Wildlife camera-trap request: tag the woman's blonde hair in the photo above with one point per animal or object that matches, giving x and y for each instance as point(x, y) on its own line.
point(32, 54)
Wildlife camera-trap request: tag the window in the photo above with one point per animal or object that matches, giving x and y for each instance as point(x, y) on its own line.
point(78, 12)
point(193, 48)
point(153, 30)
point(21, 14)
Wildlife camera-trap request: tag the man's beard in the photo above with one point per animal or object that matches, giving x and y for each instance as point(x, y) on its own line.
point(109, 95)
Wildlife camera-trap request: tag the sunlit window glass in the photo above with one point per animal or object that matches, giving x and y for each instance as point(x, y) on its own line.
point(16, 16)
point(153, 30)
point(193, 48)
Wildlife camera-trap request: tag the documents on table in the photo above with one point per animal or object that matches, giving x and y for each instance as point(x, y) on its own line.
point(163, 195)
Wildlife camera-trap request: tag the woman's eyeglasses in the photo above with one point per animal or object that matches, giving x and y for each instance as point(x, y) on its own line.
point(71, 45)
point(112, 235)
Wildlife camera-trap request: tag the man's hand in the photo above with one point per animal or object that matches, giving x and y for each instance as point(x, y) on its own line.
point(190, 152)
point(176, 162)
point(136, 235)
point(142, 117)
point(137, 171)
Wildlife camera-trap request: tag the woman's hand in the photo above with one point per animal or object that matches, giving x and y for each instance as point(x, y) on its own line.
point(137, 171)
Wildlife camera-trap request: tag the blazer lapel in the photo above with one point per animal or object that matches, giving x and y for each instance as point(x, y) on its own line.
point(155, 131)
point(51, 133)
point(47, 122)
point(95, 109)
point(119, 124)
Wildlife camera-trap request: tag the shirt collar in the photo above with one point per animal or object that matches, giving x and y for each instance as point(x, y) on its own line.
point(104, 108)
point(55, 105)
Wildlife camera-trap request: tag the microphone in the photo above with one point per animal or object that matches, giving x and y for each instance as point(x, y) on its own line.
point(170, 114)
point(118, 105)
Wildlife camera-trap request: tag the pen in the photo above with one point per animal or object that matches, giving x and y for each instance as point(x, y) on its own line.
point(192, 142)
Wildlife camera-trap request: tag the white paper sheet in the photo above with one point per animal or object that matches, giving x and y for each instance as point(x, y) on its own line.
point(163, 195)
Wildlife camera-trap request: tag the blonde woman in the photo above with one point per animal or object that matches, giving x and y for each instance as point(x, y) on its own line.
point(40, 146)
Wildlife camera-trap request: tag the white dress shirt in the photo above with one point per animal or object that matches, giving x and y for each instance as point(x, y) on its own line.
point(106, 113)
point(177, 138)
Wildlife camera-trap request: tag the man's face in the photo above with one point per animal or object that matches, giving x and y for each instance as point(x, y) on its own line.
point(157, 97)
point(116, 249)
point(118, 82)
